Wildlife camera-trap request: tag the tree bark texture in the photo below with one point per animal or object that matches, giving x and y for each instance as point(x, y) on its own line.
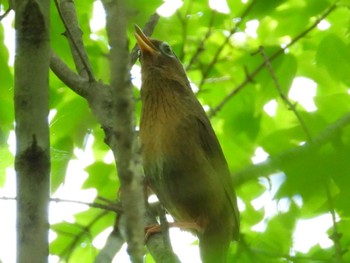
point(122, 139)
point(32, 161)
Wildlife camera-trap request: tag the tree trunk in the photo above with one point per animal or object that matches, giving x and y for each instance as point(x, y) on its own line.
point(32, 160)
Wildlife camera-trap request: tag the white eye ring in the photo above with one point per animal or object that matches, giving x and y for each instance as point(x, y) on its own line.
point(166, 49)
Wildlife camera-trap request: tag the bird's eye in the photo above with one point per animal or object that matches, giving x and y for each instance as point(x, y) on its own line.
point(166, 49)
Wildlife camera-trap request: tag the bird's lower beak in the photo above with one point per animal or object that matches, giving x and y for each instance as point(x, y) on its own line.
point(143, 42)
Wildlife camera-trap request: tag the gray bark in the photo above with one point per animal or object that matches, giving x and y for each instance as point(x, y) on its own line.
point(32, 161)
point(123, 140)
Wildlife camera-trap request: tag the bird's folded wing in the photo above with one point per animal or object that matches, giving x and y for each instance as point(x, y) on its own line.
point(215, 156)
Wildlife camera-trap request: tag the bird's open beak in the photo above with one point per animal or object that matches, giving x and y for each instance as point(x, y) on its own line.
point(144, 43)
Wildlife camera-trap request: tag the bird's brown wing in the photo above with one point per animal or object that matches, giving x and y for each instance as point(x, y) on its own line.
point(212, 148)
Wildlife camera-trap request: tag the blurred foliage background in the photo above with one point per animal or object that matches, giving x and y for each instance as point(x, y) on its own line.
point(273, 75)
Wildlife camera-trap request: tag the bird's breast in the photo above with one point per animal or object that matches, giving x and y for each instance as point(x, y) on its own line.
point(158, 133)
point(163, 111)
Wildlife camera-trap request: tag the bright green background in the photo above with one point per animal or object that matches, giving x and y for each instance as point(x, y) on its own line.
point(320, 178)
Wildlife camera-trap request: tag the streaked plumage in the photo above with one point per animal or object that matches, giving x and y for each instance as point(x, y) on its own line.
point(182, 157)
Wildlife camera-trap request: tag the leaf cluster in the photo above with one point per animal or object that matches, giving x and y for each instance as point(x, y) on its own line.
point(307, 170)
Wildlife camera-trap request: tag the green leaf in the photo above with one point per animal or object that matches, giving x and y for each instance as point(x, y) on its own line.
point(252, 216)
point(333, 106)
point(6, 91)
point(97, 220)
point(61, 154)
point(73, 119)
point(260, 8)
point(103, 178)
point(281, 223)
point(334, 54)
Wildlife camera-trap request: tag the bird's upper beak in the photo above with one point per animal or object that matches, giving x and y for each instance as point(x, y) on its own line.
point(144, 42)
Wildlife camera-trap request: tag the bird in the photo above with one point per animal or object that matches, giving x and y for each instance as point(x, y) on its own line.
point(182, 159)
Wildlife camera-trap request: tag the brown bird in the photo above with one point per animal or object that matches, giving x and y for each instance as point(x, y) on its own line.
point(182, 158)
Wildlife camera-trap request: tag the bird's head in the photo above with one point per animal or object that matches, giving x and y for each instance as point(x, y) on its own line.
point(158, 59)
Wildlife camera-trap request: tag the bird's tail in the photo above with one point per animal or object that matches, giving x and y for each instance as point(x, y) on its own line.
point(214, 244)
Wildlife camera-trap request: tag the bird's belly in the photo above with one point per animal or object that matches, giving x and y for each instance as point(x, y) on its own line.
point(184, 180)
point(187, 188)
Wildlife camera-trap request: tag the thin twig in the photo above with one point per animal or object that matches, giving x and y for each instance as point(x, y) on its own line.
point(67, 252)
point(183, 21)
point(6, 13)
point(271, 58)
point(291, 106)
point(83, 57)
point(112, 207)
point(8, 198)
point(200, 47)
point(107, 201)
point(227, 39)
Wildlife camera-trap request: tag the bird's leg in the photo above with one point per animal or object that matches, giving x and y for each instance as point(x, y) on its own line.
point(187, 226)
point(157, 228)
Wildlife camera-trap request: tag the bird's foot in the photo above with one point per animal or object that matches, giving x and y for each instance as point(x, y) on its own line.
point(157, 228)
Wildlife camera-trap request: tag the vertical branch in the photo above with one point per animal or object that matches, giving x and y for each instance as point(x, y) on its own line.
point(113, 244)
point(159, 248)
point(32, 161)
point(122, 139)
